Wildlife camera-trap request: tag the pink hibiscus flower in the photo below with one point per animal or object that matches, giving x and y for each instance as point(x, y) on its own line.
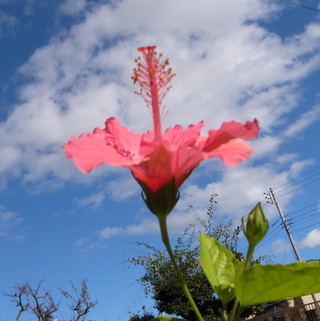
point(159, 161)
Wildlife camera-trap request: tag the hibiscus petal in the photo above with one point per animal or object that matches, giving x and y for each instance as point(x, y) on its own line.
point(165, 163)
point(183, 137)
point(156, 170)
point(184, 161)
point(228, 132)
point(125, 141)
point(232, 152)
point(91, 150)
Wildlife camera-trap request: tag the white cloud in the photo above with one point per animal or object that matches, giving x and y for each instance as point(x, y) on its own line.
point(8, 24)
point(8, 224)
point(237, 189)
point(108, 232)
point(297, 167)
point(286, 158)
point(72, 7)
point(281, 246)
point(123, 187)
point(265, 146)
point(144, 226)
point(86, 245)
point(82, 77)
point(312, 239)
point(92, 201)
point(305, 120)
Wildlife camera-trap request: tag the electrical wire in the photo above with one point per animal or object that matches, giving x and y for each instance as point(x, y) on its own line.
point(300, 5)
point(301, 209)
point(303, 218)
point(294, 184)
point(304, 228)
point(300, 187)
point(271, 235)
point(299, 179)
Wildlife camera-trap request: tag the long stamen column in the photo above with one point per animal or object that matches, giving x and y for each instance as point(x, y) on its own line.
point(153, 76)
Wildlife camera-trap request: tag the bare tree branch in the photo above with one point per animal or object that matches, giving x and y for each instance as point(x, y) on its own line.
point(81, 304)
point(21, 298)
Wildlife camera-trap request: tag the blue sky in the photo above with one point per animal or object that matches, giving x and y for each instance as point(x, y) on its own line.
point(66, 66)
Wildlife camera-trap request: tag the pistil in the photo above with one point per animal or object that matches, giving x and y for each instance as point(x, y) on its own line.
point(153, 76)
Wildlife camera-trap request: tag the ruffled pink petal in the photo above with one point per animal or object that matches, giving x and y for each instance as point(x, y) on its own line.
point(126, 142)
point(89, 150)
point(115, 146)
point(228, 132)
point(231, 153)
point(174, 139)
point(183, 137)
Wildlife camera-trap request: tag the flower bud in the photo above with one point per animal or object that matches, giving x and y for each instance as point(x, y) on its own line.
point(256, 226)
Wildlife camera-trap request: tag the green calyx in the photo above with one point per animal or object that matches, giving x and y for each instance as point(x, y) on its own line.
point(161, 202)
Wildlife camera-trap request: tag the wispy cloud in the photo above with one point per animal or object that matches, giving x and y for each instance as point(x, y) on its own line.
point(144, 226)
point(93, 201)
point(281, 246)
point(8, 24)
point(9, 221)
point(72, 7)
point(303, 122)
point(312, 239)
point(82, 76)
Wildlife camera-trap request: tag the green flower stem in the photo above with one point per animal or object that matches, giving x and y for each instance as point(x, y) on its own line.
point(166, 242)
point(237, 310)
point(231, 316)
point(249, 256)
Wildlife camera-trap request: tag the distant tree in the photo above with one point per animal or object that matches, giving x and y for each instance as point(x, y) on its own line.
point(35, 300)
point(20, 298)
point(80, 303)
point(160, 279)
point(40, 302)
point(43, 305)
point(142, 315)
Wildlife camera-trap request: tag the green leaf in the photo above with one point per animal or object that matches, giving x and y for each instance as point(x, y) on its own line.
point(167, 319)
point(267, 283)
point(220, 266)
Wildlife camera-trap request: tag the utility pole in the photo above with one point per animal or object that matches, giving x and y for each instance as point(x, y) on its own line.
point(272, 200)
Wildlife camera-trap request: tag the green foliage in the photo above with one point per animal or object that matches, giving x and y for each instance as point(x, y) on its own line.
point(266, 283)
point(160, 279)
point(242, 284)
point(144, 317)
point(167, 319)
point(221, 267)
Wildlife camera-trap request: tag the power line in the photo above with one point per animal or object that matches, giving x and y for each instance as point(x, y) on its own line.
point(303, 216)
point(304, 228)
point(271, 234)
point(303, 208)
point(272, 200)
point(308, 173)
point(300, 187)
point(297, 4)
point(302, 178)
